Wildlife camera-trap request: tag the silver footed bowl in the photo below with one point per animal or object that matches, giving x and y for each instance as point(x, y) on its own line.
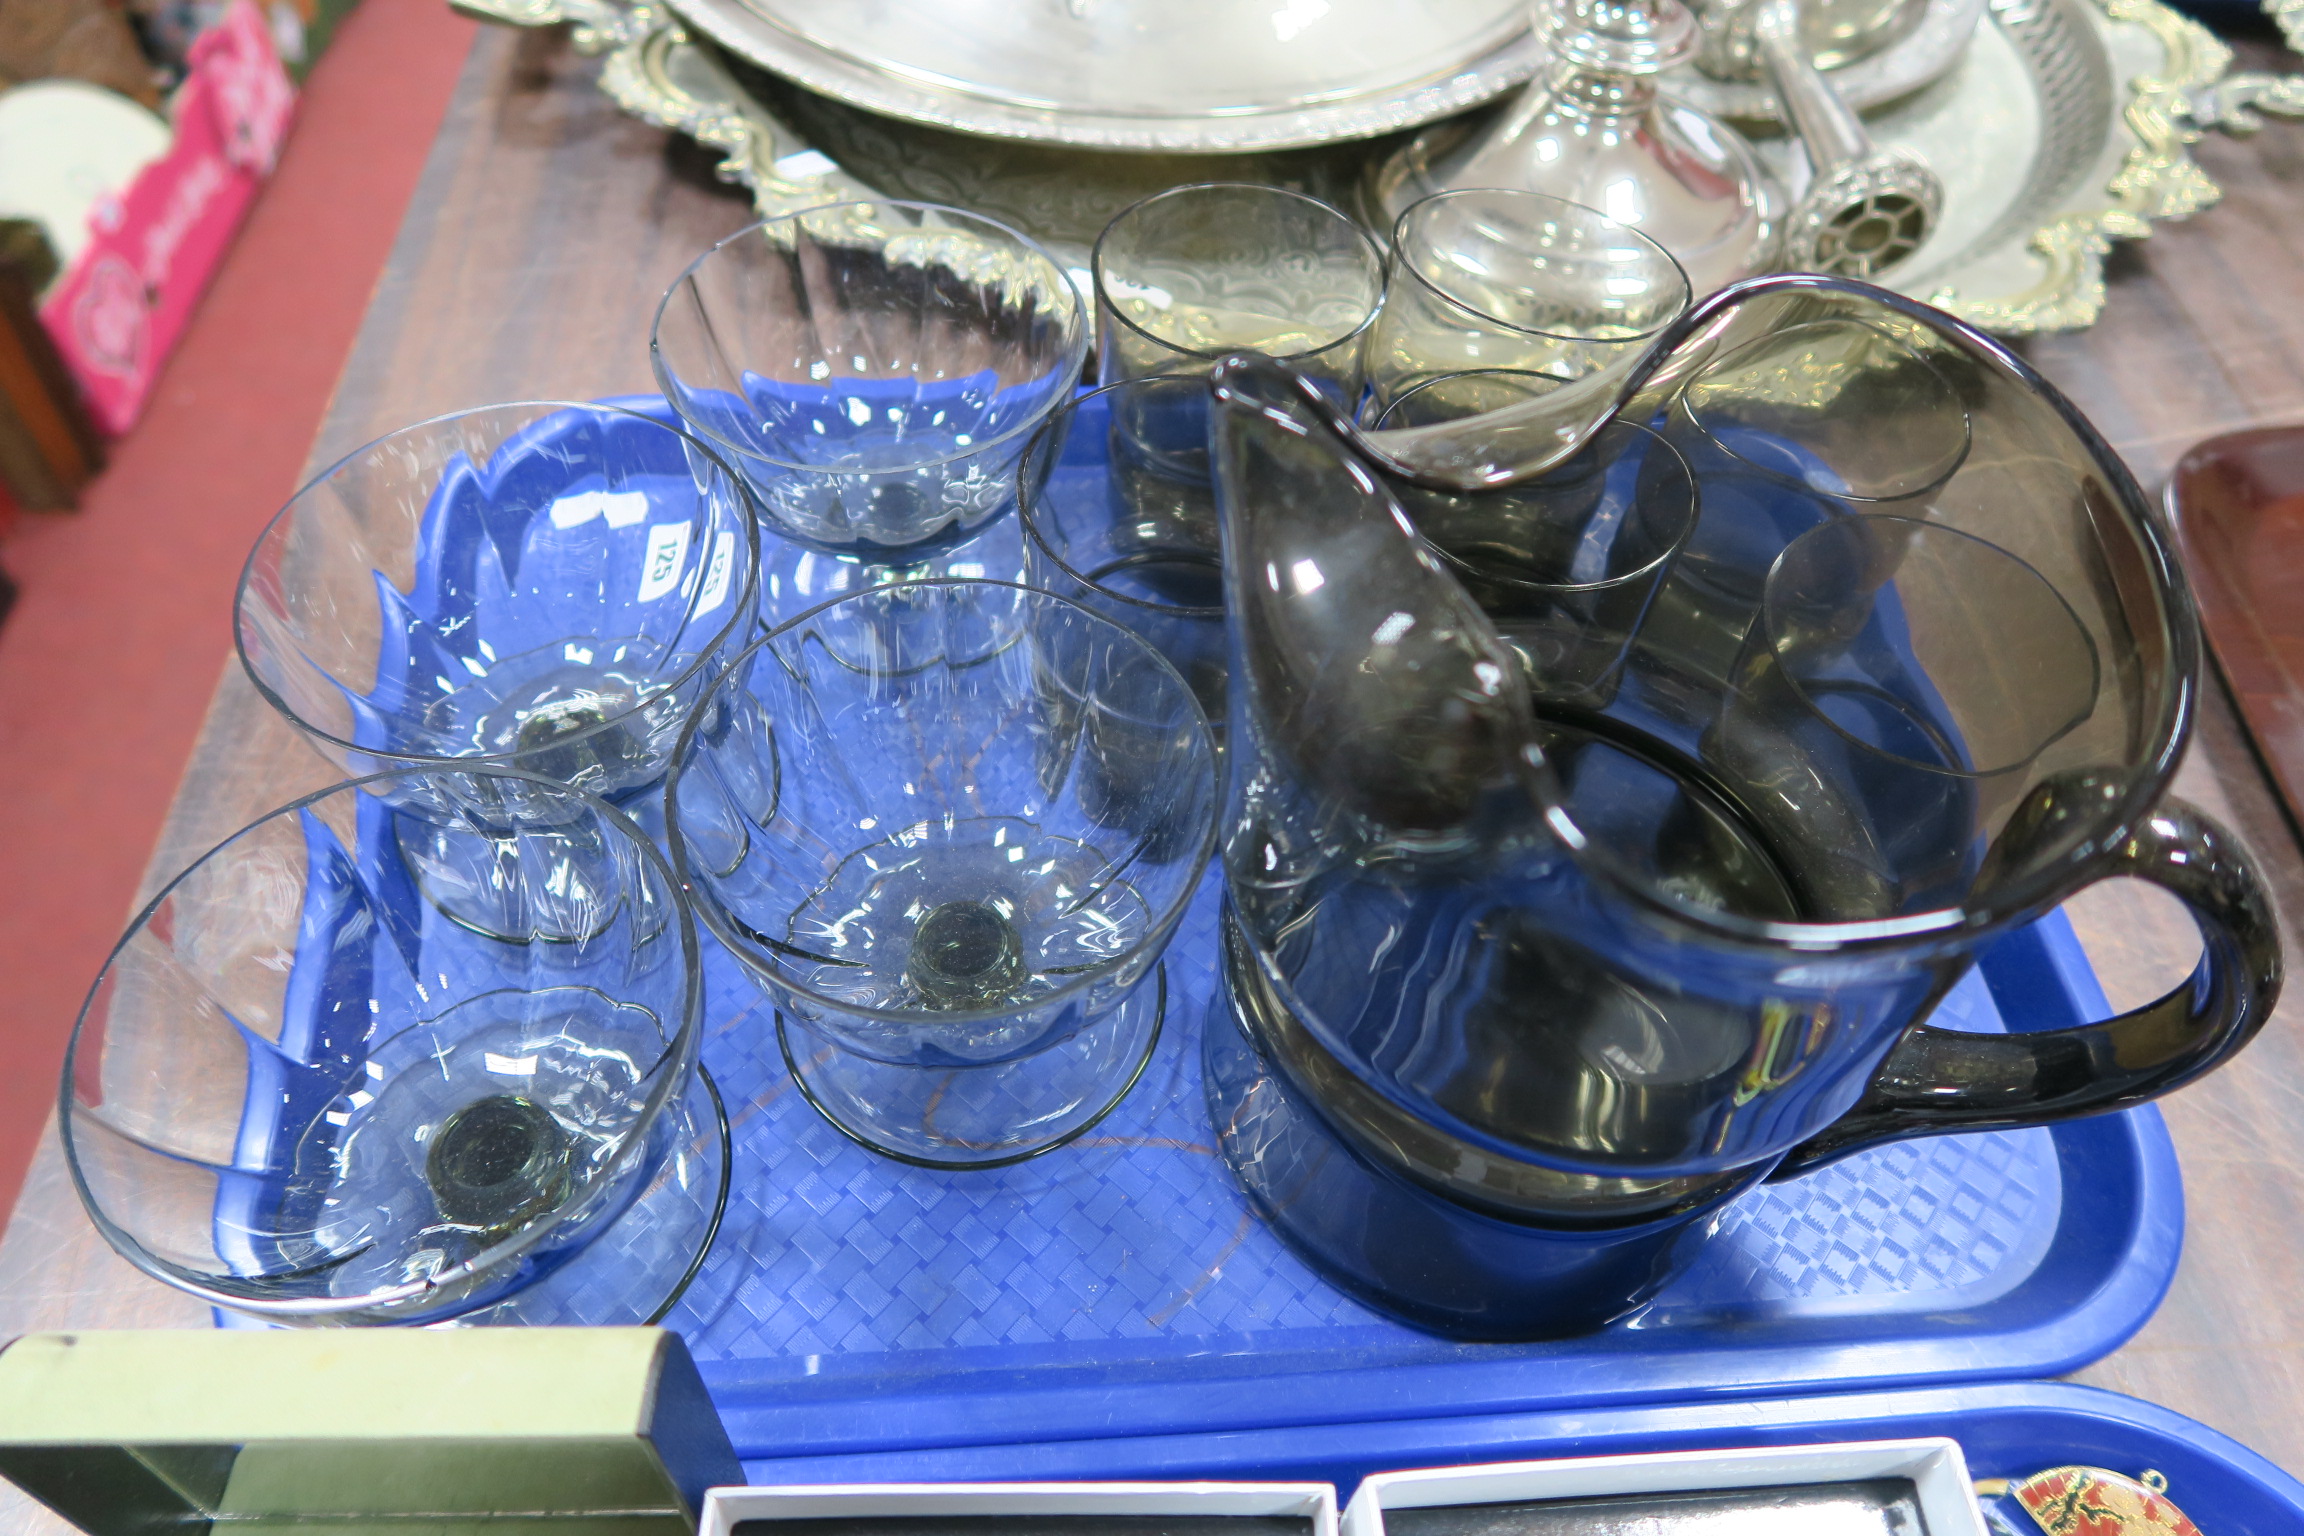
point(1124, 74)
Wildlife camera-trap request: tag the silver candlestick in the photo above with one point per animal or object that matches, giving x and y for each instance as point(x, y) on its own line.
point(1833, 33)
point(1857, 210)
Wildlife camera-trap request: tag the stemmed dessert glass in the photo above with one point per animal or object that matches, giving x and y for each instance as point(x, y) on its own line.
point(542, 586)
point(872, 369)
point(301, 1092)
point(953, 871)
point(539, 586)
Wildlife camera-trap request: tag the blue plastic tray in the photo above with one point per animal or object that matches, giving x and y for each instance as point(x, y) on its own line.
point(2007, 1430)
point(1120, 1288)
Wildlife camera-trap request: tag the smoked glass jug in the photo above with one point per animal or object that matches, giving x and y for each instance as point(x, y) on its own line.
point(1564, 959)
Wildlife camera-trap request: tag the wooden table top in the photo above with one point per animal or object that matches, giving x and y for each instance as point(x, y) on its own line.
point(547, 225)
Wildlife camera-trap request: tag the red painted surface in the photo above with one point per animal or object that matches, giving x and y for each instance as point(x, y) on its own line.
point(109, 661)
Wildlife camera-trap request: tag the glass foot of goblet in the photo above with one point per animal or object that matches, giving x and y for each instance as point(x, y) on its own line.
point(980, 1117)
point(636, 1271)
point(898, 633)
point(531, 883)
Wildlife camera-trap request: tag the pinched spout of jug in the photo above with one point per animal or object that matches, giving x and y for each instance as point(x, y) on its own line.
point(1371, 699)
point(1528, 438)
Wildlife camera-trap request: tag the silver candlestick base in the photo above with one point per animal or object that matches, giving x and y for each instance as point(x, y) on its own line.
point(1594, 129)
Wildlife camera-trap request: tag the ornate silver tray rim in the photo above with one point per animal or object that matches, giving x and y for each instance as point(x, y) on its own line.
point(2044, 268)
point(2042, 272)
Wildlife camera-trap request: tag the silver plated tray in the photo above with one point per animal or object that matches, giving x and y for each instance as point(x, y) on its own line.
point(2066, 125)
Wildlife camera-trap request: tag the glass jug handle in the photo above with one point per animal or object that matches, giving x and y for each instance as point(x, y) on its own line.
point(1942, 1080)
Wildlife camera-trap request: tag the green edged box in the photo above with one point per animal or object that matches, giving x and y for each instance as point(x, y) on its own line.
point(559, 1431)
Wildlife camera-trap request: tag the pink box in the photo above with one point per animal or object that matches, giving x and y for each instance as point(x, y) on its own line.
point(120, 308)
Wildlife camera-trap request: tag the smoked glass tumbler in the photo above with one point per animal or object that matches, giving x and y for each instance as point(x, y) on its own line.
point(1887, 708)
point(1815, 420)
point(1188, 275)
point(953, 876)
point(1119, 515)
point(1565, 565)
point(872, 369)
point(298, 1091)
point(1483, 280)
point(1854, 410)
point(540, 586)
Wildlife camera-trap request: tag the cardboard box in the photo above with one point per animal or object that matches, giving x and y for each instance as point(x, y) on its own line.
point(119, 308)
point(489, 1431)
point(1025, 1509)
point(1936, 1469)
